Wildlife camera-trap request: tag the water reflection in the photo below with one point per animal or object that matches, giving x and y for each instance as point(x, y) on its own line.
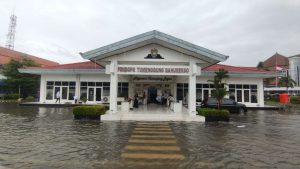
point(37, 137)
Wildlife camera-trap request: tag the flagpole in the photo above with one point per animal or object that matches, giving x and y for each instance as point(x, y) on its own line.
point(276, 70)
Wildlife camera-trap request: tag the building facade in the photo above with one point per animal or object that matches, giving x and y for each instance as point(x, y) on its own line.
point(148, 65)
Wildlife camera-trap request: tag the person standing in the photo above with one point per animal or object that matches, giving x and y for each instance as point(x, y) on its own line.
point(57, 97)
point(75, 99)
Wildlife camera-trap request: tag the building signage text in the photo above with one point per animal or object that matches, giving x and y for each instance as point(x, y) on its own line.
point(171, 70)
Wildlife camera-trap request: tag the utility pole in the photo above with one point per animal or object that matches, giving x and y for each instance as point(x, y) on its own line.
point(10, 37)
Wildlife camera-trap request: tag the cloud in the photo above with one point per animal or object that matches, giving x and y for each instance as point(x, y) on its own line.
point(247, 31)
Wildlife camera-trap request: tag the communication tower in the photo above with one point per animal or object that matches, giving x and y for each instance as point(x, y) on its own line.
point(11, 32)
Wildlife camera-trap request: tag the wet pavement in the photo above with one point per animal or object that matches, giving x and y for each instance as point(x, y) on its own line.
point(37, 137)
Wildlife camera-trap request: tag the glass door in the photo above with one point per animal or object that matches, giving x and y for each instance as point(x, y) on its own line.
point(98, 94)
point(56, 89)
point(64, 93)
point(239, 97)
point(91, 94)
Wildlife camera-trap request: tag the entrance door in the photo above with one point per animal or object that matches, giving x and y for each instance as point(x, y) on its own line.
point(239, 96)
point(55, 91)
point(205, 94)
point(98, 94)
point(64, 93)
point(90, 94)
point(152, 94)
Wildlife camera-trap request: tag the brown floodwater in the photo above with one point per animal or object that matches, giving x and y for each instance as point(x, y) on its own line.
point(39, 137)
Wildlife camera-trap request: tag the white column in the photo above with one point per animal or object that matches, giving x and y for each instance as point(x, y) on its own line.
point(42, 89)
point(260, 93)
point(113, 87)
point(77, 89)
point(192, 89)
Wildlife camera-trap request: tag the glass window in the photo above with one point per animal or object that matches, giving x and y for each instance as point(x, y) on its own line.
point(98, 83)
point(83, 92)
point(106, 84)
point(72, 83)
point(49, 93)
point(253, 96)
point(125, 84)
point(91, 83)
point(106, 91)
point(212, 86)
point(50, 83)
point(65, 83)
point(239, 86)
point(83, 84)
point(246, 86)
point(205, 85)
point(239, 95)
point(71, 93)
point(57, 83)
point(253, 86)
point(198, 95)
point(232, 94)
point(198, 85)
point(246, 96)
point(231, 86)
point(179, 85)
point(179, 94)
point(186, 85)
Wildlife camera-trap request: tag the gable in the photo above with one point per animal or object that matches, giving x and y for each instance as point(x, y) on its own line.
point(149, 38)
point(143, 55)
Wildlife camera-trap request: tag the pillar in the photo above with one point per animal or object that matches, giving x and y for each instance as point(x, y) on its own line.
point(260, 93)
point(192, 89)
point(77, 88)
point(42, 89)
point(113, 87)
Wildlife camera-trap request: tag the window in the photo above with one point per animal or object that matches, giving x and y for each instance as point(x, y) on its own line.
point(122, 89)
point(49, 93)
point(243, 92)
point(66, 88)
point(83, 92)
point(182, 90)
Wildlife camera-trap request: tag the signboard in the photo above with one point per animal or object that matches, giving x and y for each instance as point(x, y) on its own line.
point(163, 79)
point(153, 70)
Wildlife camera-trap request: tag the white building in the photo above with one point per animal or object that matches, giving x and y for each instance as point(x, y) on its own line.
point(150, 64)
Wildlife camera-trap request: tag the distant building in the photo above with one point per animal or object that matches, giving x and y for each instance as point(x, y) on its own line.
point(6, 55)
point(283, 66)
point(275, 63)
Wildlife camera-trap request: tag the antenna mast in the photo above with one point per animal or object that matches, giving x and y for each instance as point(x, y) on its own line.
point(11, 32)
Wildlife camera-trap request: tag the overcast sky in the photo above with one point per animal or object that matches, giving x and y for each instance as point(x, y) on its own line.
point(247, 31)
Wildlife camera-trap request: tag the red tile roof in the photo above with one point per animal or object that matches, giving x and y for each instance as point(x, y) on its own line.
point(78, 65)
point(6, 55)
point(216, 67)
point(276, 60)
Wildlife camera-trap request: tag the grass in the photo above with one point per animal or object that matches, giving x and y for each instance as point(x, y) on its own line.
point(278, 104)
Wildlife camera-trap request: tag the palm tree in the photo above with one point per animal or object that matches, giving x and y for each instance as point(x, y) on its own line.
point(287, 82)
point(220, 90)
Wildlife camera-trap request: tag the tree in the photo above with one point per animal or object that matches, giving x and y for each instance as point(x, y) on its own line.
point(260, 65)
point(27, 83)
point(287, 82)
point(218, 81)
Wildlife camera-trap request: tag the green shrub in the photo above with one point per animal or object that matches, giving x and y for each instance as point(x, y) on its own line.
point(29, 99)
point(209, 112)
point(93, 112)
point(295, 99)
point(12, 96)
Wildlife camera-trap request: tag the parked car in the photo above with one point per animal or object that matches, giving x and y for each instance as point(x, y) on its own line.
point(231, 105)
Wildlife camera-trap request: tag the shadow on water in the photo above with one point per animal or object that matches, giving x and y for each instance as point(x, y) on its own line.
point(37, 137)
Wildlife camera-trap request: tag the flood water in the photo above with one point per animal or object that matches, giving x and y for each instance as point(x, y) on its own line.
point(38, 137)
